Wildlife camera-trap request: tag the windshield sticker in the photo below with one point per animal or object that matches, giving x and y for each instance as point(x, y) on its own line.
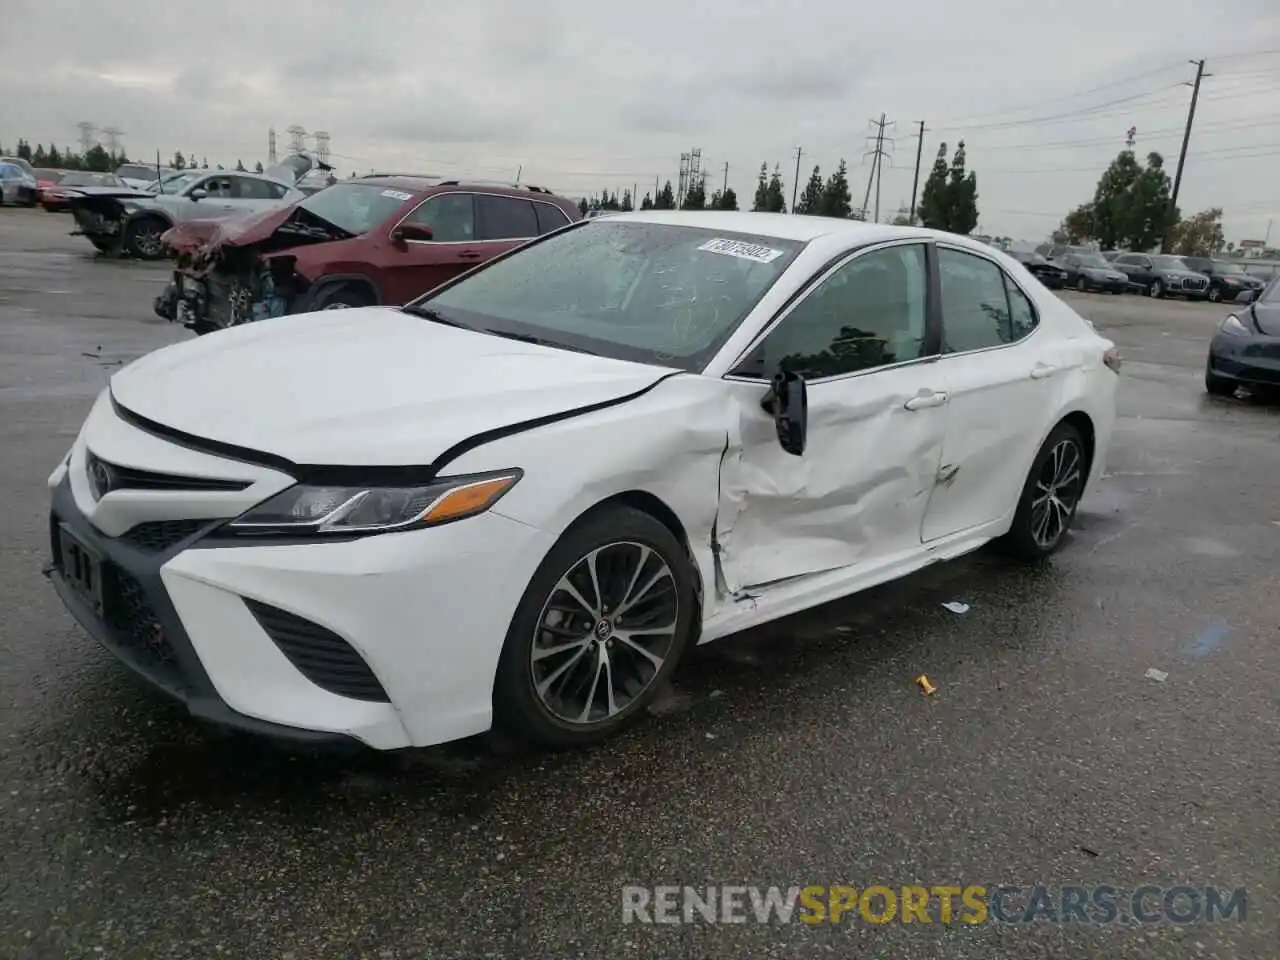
point(745, 251)
point(397, 195)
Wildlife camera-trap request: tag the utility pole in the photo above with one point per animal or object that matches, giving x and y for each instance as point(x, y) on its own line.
point(1186, 136)
point(877, 154)
point(725, 188)
point(796, 186)
point(635, 198)
point(915, 183)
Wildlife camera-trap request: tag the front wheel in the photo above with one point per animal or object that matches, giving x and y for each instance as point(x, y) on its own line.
point(1081, 285)
point(1050, 495)
point(599, 629)
point(142, 238)
point(1215, 295)
point(1156, 290)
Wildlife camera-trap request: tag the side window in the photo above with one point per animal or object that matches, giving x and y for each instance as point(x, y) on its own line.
point(550, 217)
point(449, 215)
point(246, 188)
point(869, 313)
point(1022, 313)
point(214, 186)
point(506, 218)
point(975, 306)
point(276, 191)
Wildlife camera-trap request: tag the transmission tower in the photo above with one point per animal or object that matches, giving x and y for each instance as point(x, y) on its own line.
point(297, 138)
point(113, 140)
point(695, 167)
point(87, 139)
point(682, 184)
point(271, 147)
point(878, 154)
point(322, 146)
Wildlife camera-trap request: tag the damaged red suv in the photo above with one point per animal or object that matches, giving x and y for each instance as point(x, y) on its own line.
point(371, 240)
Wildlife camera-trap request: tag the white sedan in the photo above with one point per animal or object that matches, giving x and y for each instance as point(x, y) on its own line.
point(517, 500)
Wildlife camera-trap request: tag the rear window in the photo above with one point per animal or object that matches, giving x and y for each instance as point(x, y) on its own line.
point(356, 207)
point(137, 171)
point(90, 180)
point(650, 292)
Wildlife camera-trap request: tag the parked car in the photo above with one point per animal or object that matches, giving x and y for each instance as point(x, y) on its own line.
point(374, 240)
point(142, 175)
point(1159, 275)
point(1227, 281)
point(17, 186)
point(519, 498)
point(1245, 350)
point(1051, 275)
point(46, 178)
point(57, 197)
point(1056, 251)
point(24, 164)
point(1110, 255)
point(123, 220)
point(1089, 271)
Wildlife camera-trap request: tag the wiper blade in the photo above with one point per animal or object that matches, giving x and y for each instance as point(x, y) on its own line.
point(427, 313)
point(540, 341)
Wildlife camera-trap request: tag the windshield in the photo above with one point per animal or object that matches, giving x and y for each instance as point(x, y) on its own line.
point(90, 180)
point(355, 207)
point(649, 292)
point(1091, 260)
point(175, 183)
point(136, 171)
point(1233, 268)
point(1166, 262)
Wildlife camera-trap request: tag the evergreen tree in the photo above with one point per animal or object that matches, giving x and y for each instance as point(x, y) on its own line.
point(54, 158)
point(582, 206)
point(762, 190)
point(647, 202)
point(240, 167)
point(811, 200)
point(775, 198)
point(836, 199)
point(935, 210)
point(627, 203)
point(97, 159)
point(205, 164)
point(257, 168)
point(962, 192)
point(179, 161)
point(729, 201)
point(666, 199)
point(39, 158)
point(695, 197)
point(24, 150)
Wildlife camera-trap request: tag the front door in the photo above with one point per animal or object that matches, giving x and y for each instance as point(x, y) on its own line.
point(1002, 381)
point(877, 419)
point(415, 266)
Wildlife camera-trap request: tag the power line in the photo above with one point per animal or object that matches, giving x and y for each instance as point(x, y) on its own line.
point(1055, 117)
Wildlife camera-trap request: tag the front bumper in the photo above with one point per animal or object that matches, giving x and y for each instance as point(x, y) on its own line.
point(423, 613)
point(1249, 361)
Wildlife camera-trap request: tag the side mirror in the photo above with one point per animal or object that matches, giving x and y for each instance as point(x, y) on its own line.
point(788, 402)
point(198, 193)
point(412, 231)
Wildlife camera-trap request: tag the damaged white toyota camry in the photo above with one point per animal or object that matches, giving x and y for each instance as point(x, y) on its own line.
point(517, 500)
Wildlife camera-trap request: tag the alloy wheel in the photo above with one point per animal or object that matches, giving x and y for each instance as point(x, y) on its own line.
point(1156, 288)
point(1214, 295)
point(1057, 491)
point(146, 239)
point(604, 633)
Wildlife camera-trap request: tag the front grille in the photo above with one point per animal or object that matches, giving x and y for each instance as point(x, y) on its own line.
point(136, 626)
point(159, 535)
point(319, 654)
point(1193, 283)
point(105, 477)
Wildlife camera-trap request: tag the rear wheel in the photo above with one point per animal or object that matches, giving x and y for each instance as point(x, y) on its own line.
point(142, 238)
point(1050, 495)
point(600, 628)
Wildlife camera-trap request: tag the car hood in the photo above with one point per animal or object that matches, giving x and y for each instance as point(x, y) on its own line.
point(117, 192)
point(1267, 317)
point(372, 386)
point(267, 232)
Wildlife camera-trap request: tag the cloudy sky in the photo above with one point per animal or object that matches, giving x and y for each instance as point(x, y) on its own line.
point(592, 95)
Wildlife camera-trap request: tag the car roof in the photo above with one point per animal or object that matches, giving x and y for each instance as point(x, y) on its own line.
point(422, 182)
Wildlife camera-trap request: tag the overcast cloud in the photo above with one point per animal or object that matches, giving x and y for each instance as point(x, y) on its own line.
point(592, 95)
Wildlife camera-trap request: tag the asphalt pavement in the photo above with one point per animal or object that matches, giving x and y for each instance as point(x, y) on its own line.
point(800, 755)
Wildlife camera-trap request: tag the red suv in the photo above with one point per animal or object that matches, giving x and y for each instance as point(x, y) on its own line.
point(382, 239)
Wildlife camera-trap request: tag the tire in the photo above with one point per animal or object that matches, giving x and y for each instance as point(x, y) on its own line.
point(1217, 386)
point(1081, 285)
point(1156, 290)
point(1215, 295)
point(142, 238)
point(1052, 464)
point(342, 297)
point(616, 537)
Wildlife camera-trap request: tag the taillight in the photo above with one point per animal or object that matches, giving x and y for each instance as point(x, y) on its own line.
point(1112, 359)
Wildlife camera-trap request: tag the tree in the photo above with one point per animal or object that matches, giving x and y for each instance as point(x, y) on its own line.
point(582, 206)
point(204, 164)
point(729, 200)
point(695, 198)
point(54, 158)
point(647, 202)
point(836, 200)
point(962, 197)
point(902, 220)
point(98, 160)
point(666, 199)
point(935, 211)
point(627, 202)
point(1130, 206)
point(179, 161)
point(257, 168)
point(810, 201)
point(1198, 236)
point(24, 150)
point(775, 200)
point(120, 158)
point(240, 167)
point(761, 201)
point(39, 158)
point(1149, 214)
point(1077, 226)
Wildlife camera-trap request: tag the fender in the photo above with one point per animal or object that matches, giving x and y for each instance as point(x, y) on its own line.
point(330, 280)
point(146, 212)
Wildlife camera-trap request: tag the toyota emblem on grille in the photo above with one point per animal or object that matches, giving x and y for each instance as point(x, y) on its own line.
point(101, 477)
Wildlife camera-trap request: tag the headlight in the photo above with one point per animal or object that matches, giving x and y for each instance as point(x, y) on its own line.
point(1233, 326)
point(305, 510)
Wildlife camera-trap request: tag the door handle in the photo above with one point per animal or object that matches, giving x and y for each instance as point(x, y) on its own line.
point(1042, 370)
point(926, 400)
point(469, 255)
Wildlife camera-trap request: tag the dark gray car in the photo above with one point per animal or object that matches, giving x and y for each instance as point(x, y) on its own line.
point(1160, 275)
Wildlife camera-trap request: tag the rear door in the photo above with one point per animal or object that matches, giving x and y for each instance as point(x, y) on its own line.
point(254, 196)
point(550, 217)
point(415, 266)
point(1002, 381)
point(504, 222)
